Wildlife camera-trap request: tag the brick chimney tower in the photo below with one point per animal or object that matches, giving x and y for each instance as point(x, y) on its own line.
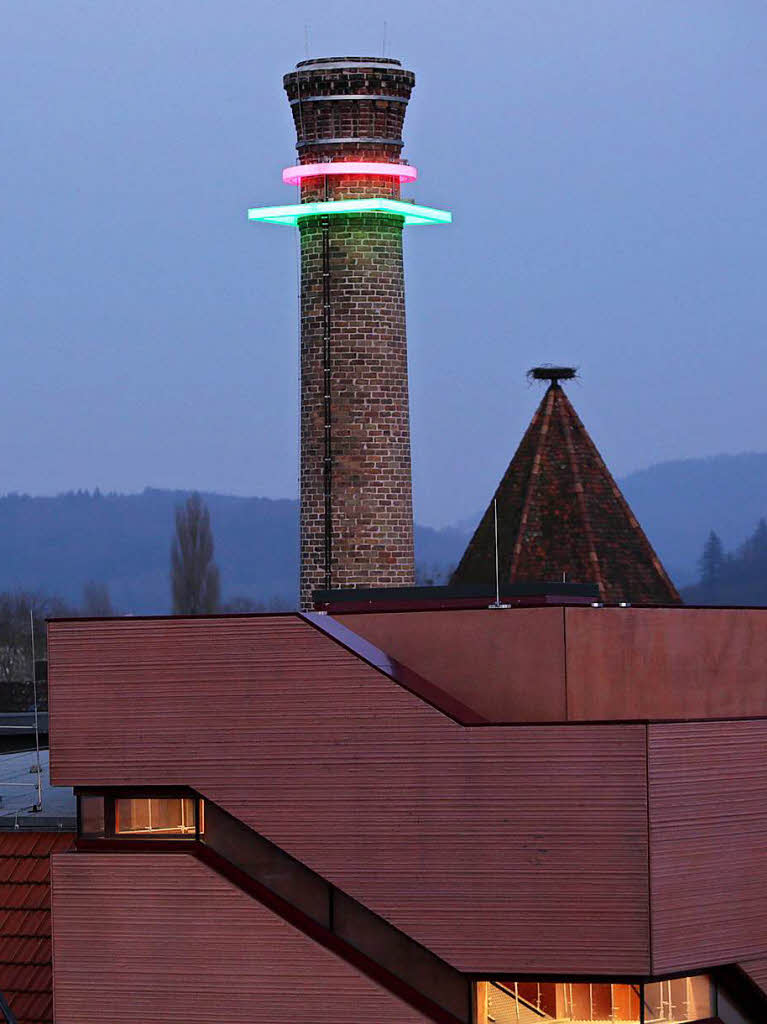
point(356, 495)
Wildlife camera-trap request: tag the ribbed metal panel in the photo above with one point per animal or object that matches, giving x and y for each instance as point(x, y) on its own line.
point(500, 849)
point(708, 840)
point(164, 939)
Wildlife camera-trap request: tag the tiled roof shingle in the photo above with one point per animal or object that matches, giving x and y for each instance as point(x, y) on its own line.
point(562, 516)
point(25, 922)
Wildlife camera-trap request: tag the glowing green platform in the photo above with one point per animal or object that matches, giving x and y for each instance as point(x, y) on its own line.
point(292, 214)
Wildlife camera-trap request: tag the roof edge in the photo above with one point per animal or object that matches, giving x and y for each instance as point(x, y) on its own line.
point(415, 684)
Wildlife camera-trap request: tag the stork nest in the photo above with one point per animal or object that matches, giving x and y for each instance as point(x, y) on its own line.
point(552, 373)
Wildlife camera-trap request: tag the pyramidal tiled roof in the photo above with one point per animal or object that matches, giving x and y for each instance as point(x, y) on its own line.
point(562, 516)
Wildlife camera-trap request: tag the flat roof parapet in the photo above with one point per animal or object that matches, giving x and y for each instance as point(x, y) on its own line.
point(380, 599)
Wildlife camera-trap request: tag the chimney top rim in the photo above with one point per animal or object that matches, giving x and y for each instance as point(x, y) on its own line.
point(319, 63)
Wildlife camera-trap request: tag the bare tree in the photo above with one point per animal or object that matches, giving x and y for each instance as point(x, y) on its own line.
point(194, 576)
point(17, 609)
point(97, 604)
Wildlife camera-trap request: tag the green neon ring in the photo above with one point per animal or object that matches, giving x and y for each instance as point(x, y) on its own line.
point(291, 215)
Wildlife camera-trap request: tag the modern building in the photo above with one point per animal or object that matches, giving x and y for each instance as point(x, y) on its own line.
point(469, 805)
point(458, 814)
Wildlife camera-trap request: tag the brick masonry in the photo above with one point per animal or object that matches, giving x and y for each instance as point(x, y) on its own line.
point(371, 515)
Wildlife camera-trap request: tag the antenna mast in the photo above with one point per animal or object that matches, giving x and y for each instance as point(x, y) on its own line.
point(39, 805)
point(497, 602)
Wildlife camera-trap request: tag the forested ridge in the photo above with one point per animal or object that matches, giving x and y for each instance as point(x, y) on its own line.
point(732, 577)
point(118, 545)
point(57, 546)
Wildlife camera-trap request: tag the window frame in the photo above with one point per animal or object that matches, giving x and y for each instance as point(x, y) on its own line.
point(639, 983)
point(112, 794)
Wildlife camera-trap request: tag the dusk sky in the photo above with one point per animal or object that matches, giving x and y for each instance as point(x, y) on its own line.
point(604, 163)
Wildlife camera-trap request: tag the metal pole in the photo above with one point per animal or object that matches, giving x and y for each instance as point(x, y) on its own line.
point(6, 1011)
point(495, 525)
point(327, 466)
point(39, 805)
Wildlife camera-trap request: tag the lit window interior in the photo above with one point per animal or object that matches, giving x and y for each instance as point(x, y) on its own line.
point(155, 816)
point(676, 1001)
point(680, 999)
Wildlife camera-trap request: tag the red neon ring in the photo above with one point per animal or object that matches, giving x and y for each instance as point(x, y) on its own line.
point(294, 175)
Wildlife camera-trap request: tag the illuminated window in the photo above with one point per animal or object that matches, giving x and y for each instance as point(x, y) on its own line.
point(674, 1001)
point(155, 816)
point(679, 999)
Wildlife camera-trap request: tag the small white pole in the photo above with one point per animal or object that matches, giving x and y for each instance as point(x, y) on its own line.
point(497, 581)
point(497, 602)
point(39, 806)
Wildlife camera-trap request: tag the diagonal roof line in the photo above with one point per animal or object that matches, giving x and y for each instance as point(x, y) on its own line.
point(6, 1011)
point(566, 408)
point(618, 495)
point(547, 406)
point(560, 510)
point(426, 691)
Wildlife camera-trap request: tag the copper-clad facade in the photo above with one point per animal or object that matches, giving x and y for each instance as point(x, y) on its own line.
point(584, 664)
point(708, 829)
point(443, 830)
point(618, 847)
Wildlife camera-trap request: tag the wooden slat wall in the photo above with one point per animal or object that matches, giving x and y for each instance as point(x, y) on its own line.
point(500, 849)
point(141, 937)
point(708, 838)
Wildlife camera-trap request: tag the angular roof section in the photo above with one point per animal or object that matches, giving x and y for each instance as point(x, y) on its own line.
point(26, 981)
point(756, 972)
point(562, 516)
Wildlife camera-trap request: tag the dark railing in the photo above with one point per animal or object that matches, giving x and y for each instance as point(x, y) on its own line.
point(343, 924)
point(292, 890)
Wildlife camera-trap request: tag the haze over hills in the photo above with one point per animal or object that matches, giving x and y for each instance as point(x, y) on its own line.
point(57, 544)
point(678, 503)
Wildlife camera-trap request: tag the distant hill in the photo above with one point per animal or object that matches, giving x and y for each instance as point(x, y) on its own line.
point(732, 577)
point(679, 503)
point(58, 544)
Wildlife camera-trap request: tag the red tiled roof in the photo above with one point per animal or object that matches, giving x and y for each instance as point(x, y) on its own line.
point(561, 512)
point(25, 922)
